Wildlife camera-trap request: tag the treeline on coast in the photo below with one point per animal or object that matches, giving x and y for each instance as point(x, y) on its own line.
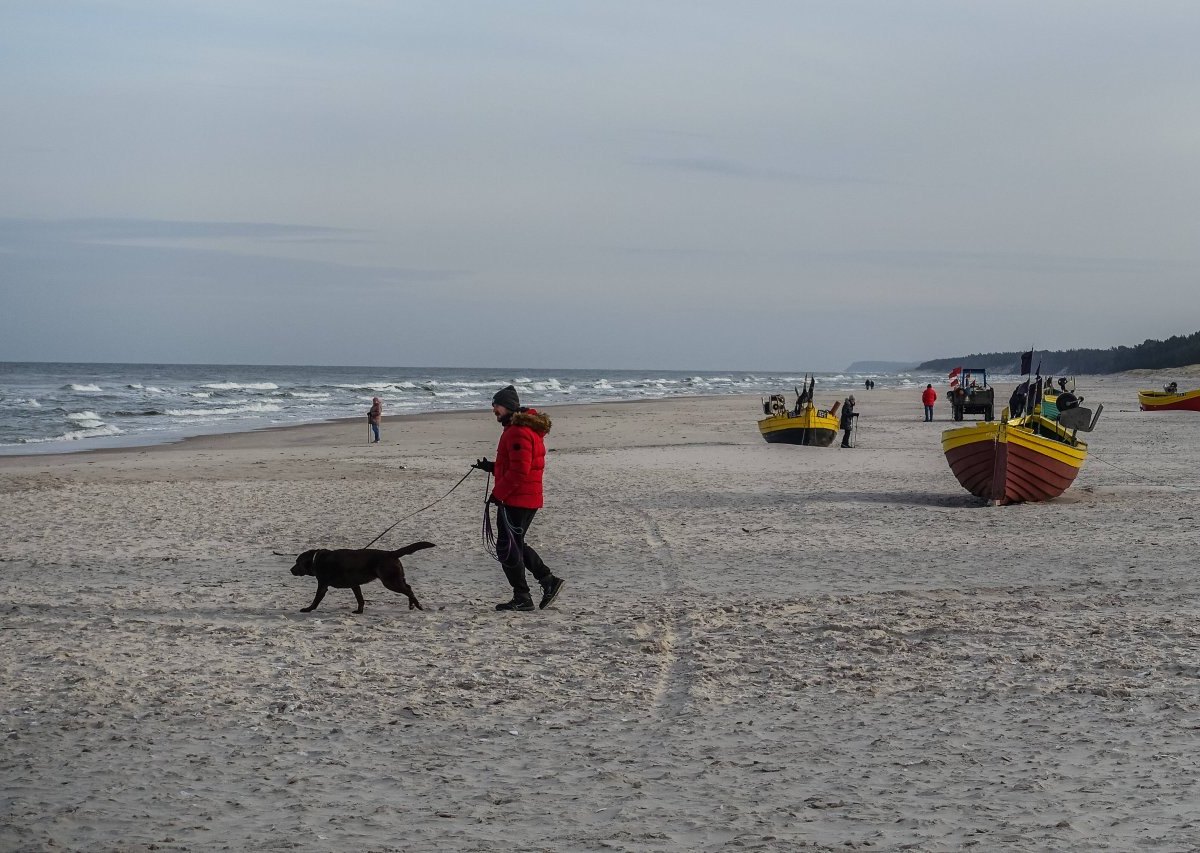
point(1176, 351)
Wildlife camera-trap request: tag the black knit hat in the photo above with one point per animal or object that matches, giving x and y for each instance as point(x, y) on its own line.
point(507, 397)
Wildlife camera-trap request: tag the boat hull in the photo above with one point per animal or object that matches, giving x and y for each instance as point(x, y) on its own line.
point(807, 428)
point(1023, 459)
point(1163, 401)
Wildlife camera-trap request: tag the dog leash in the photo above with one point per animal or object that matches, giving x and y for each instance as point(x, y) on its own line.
point(422, 509)
point(488, 535)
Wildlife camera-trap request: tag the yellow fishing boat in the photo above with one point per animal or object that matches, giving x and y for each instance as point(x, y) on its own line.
point(802, 424)
point(1169, 399)
point(1031, 457)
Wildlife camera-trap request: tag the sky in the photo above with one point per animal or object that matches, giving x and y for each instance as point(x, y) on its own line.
point(679, 185)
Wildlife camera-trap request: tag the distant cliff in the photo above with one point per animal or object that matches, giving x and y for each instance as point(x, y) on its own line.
point(1177, 351)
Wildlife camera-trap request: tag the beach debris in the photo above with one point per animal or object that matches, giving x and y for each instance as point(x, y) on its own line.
point(756, 530)
point(823, 803)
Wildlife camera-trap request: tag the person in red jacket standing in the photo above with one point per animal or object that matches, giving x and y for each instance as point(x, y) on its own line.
point(520, 460)
point(928, 398)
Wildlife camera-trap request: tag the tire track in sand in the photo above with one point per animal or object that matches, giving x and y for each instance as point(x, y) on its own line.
point(670, 634)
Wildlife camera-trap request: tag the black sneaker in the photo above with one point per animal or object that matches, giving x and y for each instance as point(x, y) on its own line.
point(550, 592)
point(516, 604)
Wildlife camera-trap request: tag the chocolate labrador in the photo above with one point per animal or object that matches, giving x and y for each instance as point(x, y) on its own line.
point(353, 567)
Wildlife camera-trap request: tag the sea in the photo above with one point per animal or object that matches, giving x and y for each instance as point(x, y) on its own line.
point(63, 407)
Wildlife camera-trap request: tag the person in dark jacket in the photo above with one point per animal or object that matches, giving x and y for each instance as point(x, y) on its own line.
point(847, 422)
point(520, 461)
point(1020, 396)
point(374, 416)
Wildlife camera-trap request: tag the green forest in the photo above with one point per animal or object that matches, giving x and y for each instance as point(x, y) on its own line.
point(1177, 351)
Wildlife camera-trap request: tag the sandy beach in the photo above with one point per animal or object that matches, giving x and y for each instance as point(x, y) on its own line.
point(759, 647)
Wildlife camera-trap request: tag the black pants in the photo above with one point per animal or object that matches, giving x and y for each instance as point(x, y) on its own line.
point(514, 553)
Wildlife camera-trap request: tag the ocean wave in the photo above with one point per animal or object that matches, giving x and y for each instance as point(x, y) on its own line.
point(241, 386)
point(129, 414)
point(248, 408)
point(307, 395)
point(486, 388)
point(377, 387)
point(77, 435)
point(637, 383)
point(82, 386)
point(550, 385)
point(85, 420)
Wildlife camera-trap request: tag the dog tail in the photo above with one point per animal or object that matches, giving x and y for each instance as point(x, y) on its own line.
point(416, 546)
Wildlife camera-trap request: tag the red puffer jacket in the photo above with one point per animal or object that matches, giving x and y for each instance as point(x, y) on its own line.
point(929, 396)
point(520, 460)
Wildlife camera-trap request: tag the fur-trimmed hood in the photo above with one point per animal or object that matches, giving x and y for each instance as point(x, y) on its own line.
point(533, 419)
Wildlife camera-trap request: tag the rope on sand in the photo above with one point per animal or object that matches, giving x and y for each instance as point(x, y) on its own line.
point(1142, 477)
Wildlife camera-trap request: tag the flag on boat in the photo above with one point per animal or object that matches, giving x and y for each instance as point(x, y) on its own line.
point(1026, 362)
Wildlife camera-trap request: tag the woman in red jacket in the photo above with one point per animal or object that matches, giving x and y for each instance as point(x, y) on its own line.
point(520, 460)
point(928, 397)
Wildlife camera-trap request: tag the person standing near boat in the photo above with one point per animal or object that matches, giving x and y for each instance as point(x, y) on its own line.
point(847, 421)
point(928, 398)
point(520, 461)
point(374, 416)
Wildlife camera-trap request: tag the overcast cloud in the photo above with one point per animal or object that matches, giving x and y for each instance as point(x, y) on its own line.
point(761, 185)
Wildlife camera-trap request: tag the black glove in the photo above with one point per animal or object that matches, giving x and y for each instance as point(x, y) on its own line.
point(484, 465)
